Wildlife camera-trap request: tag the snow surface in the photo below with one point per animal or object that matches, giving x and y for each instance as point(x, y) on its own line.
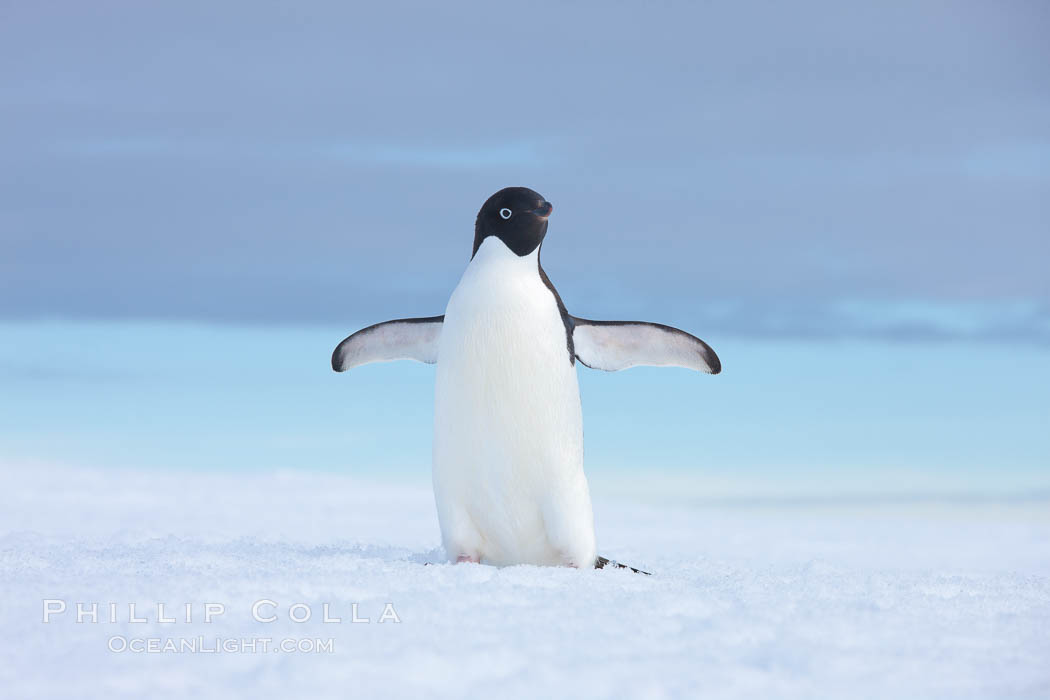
point(826, 597)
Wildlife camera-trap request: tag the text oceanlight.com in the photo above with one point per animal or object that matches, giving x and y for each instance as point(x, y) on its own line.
point(218, 645)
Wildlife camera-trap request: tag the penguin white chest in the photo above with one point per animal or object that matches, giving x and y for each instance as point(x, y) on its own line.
point(508, 430)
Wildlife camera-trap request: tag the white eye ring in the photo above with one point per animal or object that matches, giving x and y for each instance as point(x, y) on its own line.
point(505, 213)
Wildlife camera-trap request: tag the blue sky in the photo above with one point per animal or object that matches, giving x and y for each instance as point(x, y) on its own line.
point(846, 416)
point(788, 181)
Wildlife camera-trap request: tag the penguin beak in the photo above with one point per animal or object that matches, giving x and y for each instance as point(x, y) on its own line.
point(543, 210)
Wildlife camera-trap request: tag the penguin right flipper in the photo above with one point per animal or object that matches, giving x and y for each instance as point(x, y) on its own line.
point(402, 339)
point(616, 345)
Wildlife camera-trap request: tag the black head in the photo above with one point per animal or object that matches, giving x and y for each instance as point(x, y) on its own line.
point(515, 215)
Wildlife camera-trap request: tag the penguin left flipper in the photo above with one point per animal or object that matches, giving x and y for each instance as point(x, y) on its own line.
point(402, 339)
point(616, 345)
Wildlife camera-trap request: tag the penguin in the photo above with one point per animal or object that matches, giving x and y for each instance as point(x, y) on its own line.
point(508, 475)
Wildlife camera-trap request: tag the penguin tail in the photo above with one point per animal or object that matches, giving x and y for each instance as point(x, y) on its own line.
point(602, 562)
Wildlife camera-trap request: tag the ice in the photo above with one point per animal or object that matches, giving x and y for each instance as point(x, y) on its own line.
point(748, 599)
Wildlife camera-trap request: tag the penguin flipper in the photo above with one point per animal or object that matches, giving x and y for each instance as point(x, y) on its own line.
point(401, 339)
point(616, 345)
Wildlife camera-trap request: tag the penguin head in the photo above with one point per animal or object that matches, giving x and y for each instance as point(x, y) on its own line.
point(515, 215)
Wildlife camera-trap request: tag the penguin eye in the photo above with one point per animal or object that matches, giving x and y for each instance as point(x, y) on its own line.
point(505, 213)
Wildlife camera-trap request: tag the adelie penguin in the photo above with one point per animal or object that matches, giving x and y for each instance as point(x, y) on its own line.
point(508, 427)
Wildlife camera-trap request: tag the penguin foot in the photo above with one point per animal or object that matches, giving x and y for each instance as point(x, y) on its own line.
point(466, 558)
point(602, 562)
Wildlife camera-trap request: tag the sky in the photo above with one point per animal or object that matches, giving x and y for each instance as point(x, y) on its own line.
point(808, 169)
point(850, 203)
point(786, 418)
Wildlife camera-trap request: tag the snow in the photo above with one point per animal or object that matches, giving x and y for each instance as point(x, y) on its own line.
point(771, 597)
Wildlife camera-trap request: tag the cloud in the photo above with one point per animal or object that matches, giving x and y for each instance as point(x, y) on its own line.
point(1013, 321)
point(450, 157)
point(206, 162)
